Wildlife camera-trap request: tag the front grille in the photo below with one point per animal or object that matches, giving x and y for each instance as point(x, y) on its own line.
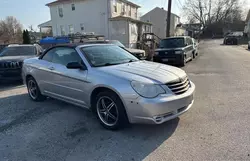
point(11, 65)
point(180, 86)
point(167, 53)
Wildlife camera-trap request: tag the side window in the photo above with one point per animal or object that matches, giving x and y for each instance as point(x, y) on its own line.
point(65, 55)
point(49, 55)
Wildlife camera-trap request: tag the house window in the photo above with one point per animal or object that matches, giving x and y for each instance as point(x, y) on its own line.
point(114, 6)
point(62, 30)
point(73, 7)
point(82, 27)
point(136, 13)
point(71, 29)
point(60, 11)
point(129, 10)
point(123, 9)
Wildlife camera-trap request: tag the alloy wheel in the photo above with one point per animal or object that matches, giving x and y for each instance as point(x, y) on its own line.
point(107, 111)
point(32, 88)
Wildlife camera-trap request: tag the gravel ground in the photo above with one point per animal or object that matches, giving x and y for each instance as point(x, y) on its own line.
point(215, 128)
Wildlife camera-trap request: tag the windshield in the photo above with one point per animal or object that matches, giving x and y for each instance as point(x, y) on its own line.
point(105, 55)
point(172, 43)
point(18, 51)
point(118, 43)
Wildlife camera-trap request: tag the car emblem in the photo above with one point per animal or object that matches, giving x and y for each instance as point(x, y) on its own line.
point(166, 52)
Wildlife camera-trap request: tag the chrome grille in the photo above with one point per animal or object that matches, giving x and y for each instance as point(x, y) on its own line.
point(10, 65)
point(180, 86)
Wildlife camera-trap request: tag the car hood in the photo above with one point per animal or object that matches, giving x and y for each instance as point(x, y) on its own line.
point(168, 49)
point(135, 50)
point(15, 58)
point(145, 71)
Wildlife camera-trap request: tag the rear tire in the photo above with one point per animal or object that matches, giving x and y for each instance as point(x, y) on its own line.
point(34, 91)
point(110, 111)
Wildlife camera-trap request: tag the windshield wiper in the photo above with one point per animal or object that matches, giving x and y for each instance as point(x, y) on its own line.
point(109, 64)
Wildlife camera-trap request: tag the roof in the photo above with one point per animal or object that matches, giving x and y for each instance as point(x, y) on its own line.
point(46, 24)
point(131, 3)
point(57, 2)
point(129, 19)
point(162, 9)
point(21, 45)
point(61, 1)
point(176, 37)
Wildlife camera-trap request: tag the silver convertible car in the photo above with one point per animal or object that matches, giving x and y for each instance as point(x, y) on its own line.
point(115, 85)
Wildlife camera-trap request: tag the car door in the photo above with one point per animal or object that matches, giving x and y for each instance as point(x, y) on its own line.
point(69, 84)
point(44, 74)
point(190, 48)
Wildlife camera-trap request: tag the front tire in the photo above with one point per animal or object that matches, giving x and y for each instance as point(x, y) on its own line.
point(194, 54)
point(34, 91)
point(183, 61)
point(110, 111)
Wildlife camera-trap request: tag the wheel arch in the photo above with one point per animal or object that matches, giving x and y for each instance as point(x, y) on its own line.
point(27, 77)
point(99, 89)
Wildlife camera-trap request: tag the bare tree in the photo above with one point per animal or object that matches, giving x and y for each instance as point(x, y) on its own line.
point(10, 30)
point(207, 12)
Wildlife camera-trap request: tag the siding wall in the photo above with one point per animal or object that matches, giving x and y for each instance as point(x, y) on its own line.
point(120, 31)
point(134, 13)
point(93, 14)
point(158, 18)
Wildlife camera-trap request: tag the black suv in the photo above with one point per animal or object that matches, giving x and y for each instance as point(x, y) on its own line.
point(175, 51)
point(11, 60)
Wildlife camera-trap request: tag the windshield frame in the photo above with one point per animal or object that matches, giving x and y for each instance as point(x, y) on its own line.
point(169, 39)
point(7, 48)
point(116, 42)
point(81, 48)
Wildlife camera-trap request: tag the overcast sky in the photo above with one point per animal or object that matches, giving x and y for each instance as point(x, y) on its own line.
point(34, 12)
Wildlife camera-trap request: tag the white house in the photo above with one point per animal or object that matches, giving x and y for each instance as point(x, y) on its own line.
point(247, 27)
point(158, 18)
point(115, 19)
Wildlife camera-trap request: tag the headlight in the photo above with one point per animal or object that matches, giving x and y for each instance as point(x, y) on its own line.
point(147, 90)
point(178, 52)
point(156, 53)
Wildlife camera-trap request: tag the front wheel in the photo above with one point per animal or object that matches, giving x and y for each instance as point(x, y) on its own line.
point(110, 111)
point(183, 61)
point(33, 90)
point(194, 55)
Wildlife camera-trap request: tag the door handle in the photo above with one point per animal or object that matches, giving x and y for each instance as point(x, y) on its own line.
point(51, 68)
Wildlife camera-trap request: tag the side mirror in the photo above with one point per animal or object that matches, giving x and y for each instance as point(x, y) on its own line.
point(75, 65)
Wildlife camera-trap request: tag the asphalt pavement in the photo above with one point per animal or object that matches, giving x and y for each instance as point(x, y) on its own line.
point(217, 127)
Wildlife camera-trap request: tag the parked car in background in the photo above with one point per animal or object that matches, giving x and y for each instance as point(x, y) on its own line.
point(232, 38)
point(175, 50)
point(140, 54)
point(11, 60)
point(107, 79)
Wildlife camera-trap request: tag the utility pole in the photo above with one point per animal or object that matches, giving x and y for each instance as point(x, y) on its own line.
point(169, 18)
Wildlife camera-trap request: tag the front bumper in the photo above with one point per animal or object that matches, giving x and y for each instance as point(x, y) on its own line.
point(161, 109)
point(10, 74)
point(174, 59)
